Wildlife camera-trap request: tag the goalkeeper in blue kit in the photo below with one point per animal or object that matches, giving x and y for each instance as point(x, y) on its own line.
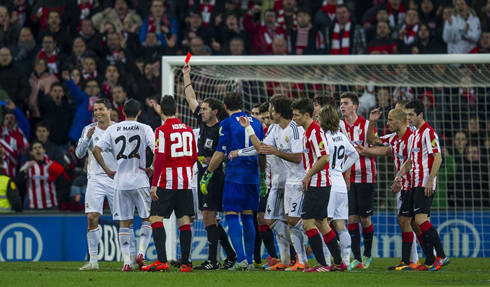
point(242, 183)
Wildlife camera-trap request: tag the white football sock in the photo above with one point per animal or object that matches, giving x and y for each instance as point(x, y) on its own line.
point(283, 246)
point(345, 245)
point(93, 238)
point(145, 237)
point(414, 255)
point(297, 237)
point(132, 245)
point(282, 230)
point(124, 242)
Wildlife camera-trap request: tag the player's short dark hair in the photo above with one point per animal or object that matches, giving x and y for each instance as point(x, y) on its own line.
point(131, 108)
point(43, 124)
point(256, 106)
point(329, 118)
point(105, 102)
point(303, 105)
point(214, 104)
point(416, 105)
point(324, 100)
point(233, 101)
point(351, 96)
point(282, 105)
point(264, 107)
point(169, 105)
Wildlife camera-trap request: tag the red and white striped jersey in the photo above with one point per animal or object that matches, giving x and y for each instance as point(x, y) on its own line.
point(176, 151)
point(15, 144)
point(421, 145)
point(314, 147)
point(399, 149)
point(10, 160)
point(41, 187)
point(364, 170)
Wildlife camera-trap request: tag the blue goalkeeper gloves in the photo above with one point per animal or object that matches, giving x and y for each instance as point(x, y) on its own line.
point(263, 184)
point(205, 181)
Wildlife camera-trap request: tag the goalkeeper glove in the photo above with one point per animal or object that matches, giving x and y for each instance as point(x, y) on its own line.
point(205, 181)
point(263, 184)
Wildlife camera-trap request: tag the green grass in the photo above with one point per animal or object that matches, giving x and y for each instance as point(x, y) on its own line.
point(461, 272)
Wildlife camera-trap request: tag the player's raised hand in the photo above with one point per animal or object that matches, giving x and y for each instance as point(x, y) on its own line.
point(233, 154)
point(156, 107)
point(374, 115)
point(186, 70)
point(153, 193)
point(244, 121)
point(149, 171)
point(90, 132)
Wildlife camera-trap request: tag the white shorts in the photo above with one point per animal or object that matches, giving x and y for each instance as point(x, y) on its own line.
point(293, 200)
point(126, 200)
point(338, 206)
point(99, 187)
point(275, 206)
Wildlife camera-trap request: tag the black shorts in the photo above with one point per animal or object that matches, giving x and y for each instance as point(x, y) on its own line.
point(421, 203)
point(263, 203)
point(213, 201)
point(315, 203)
point(361, 199)
point(170, 200)
point(406, 209)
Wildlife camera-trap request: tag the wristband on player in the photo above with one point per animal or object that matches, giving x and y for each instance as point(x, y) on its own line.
point(249, 131)
point(187, 86)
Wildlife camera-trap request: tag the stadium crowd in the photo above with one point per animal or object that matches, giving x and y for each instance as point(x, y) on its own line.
point(57, 57)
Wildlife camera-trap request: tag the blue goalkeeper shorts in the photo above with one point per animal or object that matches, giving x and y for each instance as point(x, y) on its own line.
point(238, 197)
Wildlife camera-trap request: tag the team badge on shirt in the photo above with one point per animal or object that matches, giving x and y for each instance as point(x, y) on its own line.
point(287, 139)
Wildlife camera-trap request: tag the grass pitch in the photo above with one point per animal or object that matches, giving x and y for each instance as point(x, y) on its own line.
point(461, 272)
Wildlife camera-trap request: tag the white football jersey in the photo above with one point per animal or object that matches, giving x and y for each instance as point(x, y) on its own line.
point(339, 147)
point(87, 145)
point(128, 141)
point(289, 140)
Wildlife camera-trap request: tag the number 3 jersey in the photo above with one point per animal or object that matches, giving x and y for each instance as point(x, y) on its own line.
point(128, 141)
point(176, 153)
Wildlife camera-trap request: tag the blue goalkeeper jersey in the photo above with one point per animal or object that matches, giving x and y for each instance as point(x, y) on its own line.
point(243, 170)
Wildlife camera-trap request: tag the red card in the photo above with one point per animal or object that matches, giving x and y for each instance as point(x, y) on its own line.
point(188, 57)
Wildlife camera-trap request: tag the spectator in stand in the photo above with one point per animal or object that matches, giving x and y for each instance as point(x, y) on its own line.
point(41, 80)
point(237, 46)
point(12, 79)
point(57, 112)
point(431, 114)
point(475, 131)
point(57, 31)
point(306, 40)
point(365, 93)
point(89, 69)
point(76, 75)
point(383, 44)
point(84, 104)
point(472, 180)
point(230, 30)
point(460, 142)
point(10, 199)
point(40, 11)
point(410, 27)
point(151, 50)
point(344, 36)
point(115, 53)
point(53, 151)
point(279, 47)
point(51, 54)
point(262, 34)
point(483, 13)
point(79, 53)
point(428, 15)
point(148, 86)
point(111, 79)
point(130, 35)
point(115, 116)
point(79, 11)
point(381, 15)
point(23, 9)
point(211, 11)
point(41, 172)
point(396, 14)
point(92, 38)
point(165, 26)
point(462, 30)
point(325, 17)
point(196, 29)
point(195, 45)
point(25, 51)
point(383, 102)
point(424, 44)
point(119, 98)
point(286, 11)
point(149, 116)
point(9, 32)
point(484, 43)
point(116, 16)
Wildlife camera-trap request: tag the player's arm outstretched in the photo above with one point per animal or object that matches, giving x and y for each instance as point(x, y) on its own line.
point(190, 95)
point(372, 139)
point(84, 141)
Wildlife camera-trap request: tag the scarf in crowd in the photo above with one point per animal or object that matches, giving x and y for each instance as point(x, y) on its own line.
point(21, 14)
point(409, 37)
point(329, 9)
point(87, 76)
point(469, 95)
point(302, 38)
point(206, 10)
point(281, 18)
point(401, 14)
point(345, 49)
point(107, 89)
point(25, 48)
point(84, 12)
point(51, 61)
point(152, 26)
point(269, 37)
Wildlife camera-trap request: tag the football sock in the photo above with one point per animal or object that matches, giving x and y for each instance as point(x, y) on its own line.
point(124, 242)
point(248, 236)
point(145, 237)
point(367, 234)
point(235, 233)
point(258, 242)
point(414, 255)
point(432, 237)
point(225, 243)
point(93, 238)
point(185, 243)
point(326, 253)
point(132, 245)
point(407, 242)
point(160, 237)
point(316, 245)
point(345, 245)
point(283, 246)
point(355, 236)
point(292, 253)
point(297, 236)
point(427, 249)
point(331, 240)
point(213, 238)
point(282, 230)
point(268, 238)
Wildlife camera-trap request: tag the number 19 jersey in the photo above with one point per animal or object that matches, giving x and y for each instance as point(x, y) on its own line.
point(128, 141)
point(339, 147)
point(177, 143)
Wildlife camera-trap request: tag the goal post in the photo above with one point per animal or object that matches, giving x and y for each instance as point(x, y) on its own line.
point(454, 88)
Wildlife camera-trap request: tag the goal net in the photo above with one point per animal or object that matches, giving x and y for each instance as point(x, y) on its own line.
point(454, 89)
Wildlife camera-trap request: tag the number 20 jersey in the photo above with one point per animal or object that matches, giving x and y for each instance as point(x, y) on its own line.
point(128, 141)
point(178, 144)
